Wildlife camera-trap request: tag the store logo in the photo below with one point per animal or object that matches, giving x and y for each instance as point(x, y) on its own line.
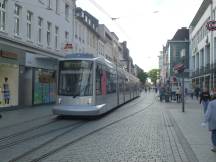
point(211, 25)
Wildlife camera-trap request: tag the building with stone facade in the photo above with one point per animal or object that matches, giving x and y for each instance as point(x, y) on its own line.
point(203, 47)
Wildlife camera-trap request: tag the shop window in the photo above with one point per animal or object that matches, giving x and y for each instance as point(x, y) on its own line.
point(9, 80)
point(44, 87)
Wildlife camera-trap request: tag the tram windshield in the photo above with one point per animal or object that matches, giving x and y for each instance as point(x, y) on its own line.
point(76, 78)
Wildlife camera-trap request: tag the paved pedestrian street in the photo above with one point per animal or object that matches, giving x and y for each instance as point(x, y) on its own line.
point(144, 130)
point(147, 136)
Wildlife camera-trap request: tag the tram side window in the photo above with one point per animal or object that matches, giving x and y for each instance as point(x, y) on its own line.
point(98, 79)
point(121, 84)
point(111, 82)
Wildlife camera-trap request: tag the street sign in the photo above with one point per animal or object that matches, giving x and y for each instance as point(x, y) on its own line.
point(211, 25)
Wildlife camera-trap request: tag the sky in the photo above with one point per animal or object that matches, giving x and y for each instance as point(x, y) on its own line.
point(146, 25)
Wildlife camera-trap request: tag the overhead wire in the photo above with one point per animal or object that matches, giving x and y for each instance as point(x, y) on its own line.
point(99, 7)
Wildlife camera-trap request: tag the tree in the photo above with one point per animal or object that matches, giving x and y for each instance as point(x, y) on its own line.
point(153, 75)
point(142, 76)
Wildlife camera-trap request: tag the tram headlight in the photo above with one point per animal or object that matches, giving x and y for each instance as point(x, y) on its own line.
point(59, 101)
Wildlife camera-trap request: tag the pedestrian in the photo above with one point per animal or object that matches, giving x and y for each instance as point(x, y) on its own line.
point(191, 92)
point(210, 118)
point(196, 92)
point(204, 99)
point(178, 94)
point(156, 89)
point(161, 93)
point(0, 116)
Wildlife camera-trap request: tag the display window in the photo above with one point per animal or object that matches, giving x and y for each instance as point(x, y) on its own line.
point(44, 87)
point(9, 82)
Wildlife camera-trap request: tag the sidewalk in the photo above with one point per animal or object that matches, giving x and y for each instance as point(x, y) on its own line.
point(190, 124)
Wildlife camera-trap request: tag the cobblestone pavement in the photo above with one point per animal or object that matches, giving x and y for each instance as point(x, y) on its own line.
point(148, 136)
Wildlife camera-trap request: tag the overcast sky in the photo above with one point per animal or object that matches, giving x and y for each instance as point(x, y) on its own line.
point(145, 24)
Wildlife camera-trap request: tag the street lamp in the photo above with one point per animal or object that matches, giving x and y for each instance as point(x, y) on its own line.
point(183, 51)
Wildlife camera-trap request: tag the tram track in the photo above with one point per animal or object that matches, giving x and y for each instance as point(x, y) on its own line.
point(2, 139)
point(42, 154)
point(26, 121)
point(20, 138)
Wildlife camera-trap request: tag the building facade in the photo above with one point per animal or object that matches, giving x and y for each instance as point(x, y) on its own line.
point(87, 38)
point(203, 47)
point(33, 35)
point(172, 56)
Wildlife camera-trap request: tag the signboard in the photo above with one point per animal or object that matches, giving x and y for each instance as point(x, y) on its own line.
point(9, 55)
point(68, 47)
point(211, 25)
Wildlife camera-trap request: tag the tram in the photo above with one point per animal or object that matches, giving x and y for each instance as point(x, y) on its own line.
point(92, 86)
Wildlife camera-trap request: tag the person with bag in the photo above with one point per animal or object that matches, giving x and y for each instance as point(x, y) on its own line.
point(210, 118)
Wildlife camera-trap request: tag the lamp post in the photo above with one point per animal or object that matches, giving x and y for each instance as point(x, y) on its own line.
point(183, 51)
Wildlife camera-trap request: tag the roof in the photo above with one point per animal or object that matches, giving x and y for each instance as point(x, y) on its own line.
point(181, 35)
point(200, 12)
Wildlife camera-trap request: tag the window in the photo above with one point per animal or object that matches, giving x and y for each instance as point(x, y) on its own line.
point(56, 36)
point(66, 36)
point(40, 22)
point(49, 4)
point(29, 25)
point(17, 15)
point(57, 6)
point(2, 15)
point(49, 33)
point(67, 11)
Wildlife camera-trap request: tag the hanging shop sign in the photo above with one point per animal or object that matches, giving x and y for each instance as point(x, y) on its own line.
point(9, 55)
point(211, 25)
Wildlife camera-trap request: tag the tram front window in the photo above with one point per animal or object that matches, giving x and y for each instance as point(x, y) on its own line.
point(76, 78)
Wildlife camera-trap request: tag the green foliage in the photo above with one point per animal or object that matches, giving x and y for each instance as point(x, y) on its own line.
point(142, 76)
point(154, 75)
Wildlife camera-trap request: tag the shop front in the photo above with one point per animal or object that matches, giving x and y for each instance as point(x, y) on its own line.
point(43, 71)
point(9, 78)
point(44, 84)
